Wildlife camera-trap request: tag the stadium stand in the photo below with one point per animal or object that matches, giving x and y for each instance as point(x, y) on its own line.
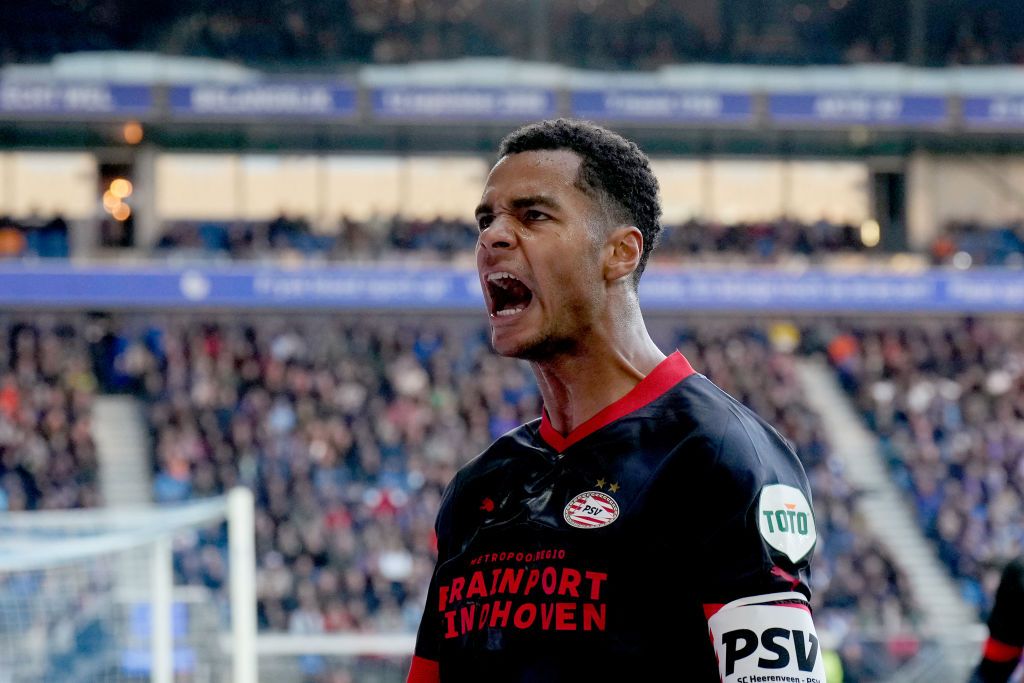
point(861, 596)
point(392, 237)
point(986, 245)
point(34, 236)
point(47, 387)
point(946, 400)
point(587, 33)
point(348, 425)
point(349, 442)
point(348, 445)
point(440, 238)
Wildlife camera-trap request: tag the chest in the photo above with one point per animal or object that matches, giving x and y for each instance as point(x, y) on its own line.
point(557, 547)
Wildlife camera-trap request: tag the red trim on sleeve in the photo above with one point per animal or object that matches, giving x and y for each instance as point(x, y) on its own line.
point(712, 609)
point(996, 651)
point(786, 576)
point(424, 671)
point(668, 373)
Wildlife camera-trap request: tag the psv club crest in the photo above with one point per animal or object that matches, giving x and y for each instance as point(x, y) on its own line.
point(591, 510)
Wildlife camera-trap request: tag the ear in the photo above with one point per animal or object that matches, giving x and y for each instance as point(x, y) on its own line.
point(622, 248)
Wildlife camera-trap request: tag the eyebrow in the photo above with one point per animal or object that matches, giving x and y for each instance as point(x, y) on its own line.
point(522, 203)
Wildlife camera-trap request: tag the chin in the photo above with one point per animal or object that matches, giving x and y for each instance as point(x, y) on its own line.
point(509, 348)
point(539, 348)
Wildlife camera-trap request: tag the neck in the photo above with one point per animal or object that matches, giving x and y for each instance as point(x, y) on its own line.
point(606, 365)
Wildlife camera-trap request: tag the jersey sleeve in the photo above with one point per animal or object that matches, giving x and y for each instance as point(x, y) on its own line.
point(425, 667)
point(1005, 645)
point(750, 549)
point(759, 533)
point(755, 588)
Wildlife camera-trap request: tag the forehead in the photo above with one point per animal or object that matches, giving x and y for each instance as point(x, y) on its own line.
point(534, 173)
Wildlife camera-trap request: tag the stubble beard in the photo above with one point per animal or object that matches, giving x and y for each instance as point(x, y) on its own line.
point(543, 347)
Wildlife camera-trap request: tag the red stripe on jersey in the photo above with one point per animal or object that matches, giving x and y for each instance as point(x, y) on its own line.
point(584, 518)
point(711, 609)
point(996, 651)
point(424, 671)
point(666, 375)
point(786, 576)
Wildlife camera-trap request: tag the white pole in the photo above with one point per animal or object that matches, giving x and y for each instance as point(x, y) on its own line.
point(242, 562)
point(161, 634)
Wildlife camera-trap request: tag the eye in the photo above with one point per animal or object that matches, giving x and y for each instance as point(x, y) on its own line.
point(535, 215)
point(484, 221)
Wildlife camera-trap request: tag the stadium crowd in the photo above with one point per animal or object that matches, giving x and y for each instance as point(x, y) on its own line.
point(47, 387)
point(858, 591)
point(972, 243)
point(45, 237)
point(640, 34)
point(946, 399)
point(394, 237)
point(349, 430)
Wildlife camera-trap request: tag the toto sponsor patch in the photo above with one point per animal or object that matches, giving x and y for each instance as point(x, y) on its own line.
point(785, 520)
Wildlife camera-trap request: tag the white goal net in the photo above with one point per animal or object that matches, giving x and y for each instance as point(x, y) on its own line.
point(109, 595)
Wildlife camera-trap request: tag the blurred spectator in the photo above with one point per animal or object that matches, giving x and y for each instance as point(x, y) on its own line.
point(12, 238)
point(34, 236)
point(968, 243)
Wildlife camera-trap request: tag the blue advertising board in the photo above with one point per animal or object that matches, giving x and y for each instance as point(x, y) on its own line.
point(993, 112)
point(481, 104)
point(669, 106)
point(820, 291)
point(26, 97)
point(400, 288)
point(869, 109)
point(322, 100)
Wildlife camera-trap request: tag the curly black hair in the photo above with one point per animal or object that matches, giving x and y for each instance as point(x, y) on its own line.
point(613, 170)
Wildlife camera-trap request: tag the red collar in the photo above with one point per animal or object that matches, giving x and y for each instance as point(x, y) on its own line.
point(663, 377)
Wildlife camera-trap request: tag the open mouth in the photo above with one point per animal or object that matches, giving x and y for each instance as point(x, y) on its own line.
point(508, 294)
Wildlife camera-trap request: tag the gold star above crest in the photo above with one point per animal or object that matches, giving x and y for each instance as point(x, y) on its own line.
point(600, 483)
point(614, 487)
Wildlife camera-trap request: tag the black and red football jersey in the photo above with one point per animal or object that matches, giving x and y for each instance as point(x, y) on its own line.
point(610, 551)
point(1001, 656)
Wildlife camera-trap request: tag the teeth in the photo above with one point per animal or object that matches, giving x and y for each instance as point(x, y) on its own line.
point(511, 311)
point(493, 277)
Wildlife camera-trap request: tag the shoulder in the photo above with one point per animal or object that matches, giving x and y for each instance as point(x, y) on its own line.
point(727, 464)
point(486, 474)
point(720, 436)
point(505, 450)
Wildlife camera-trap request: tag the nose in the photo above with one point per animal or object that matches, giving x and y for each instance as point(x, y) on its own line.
point(500, 234)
